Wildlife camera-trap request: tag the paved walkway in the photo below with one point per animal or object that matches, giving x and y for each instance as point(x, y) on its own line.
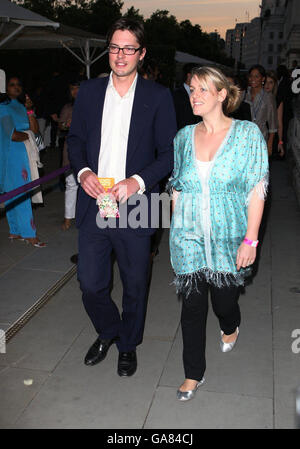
point(251, 387)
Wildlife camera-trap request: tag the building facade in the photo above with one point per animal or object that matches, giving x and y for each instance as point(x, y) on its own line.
point(272, 33)
point(291, 30)
point(252, 43)
point(271, 39)
point(229, 42)
point(235, 43)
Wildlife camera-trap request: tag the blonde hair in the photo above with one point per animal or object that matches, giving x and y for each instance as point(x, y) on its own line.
point(217, 77)
point(272, 74)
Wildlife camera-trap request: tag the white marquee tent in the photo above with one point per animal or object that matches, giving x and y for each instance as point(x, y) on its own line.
point(24, 29)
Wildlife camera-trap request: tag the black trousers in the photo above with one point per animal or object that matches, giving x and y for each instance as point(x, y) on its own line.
point(132, 250)
point(193, 323)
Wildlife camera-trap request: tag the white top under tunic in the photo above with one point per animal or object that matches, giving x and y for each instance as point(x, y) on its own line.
point(203, 168)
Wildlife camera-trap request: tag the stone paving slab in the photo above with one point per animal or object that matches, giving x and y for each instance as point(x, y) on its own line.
point(57, 325)
point(247, 370)
point(251, 387)
point(55, 256)
point(77, 396)
point(21, 288)
point(15, 395)
point(209, 410)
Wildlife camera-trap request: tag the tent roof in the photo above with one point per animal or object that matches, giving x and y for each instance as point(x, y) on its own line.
point(184, 58)
point(10, 12)
point(22, 29)
point(39, 38)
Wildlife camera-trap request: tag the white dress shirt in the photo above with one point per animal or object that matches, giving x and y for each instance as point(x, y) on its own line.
point(116, 120)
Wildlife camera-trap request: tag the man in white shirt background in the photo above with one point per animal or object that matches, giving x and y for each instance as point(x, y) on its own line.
point(122, 128)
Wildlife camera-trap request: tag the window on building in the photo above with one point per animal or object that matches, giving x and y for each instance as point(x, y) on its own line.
point(280, 34)
point(271, 34)
point(271, 47)
point(277, 3)
point(279, 48)
point(270, 60)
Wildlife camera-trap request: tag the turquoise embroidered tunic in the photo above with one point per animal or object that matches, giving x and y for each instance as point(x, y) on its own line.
point(210, 217)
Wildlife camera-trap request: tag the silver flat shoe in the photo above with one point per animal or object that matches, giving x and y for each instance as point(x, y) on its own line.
point(227, 347)
point(187, 395)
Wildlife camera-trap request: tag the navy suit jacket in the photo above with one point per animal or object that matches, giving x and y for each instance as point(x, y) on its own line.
point(150, 141)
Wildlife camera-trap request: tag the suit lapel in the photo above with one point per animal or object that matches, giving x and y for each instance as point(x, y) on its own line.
point(140, 110)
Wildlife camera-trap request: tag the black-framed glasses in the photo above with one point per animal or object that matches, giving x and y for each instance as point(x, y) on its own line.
point(114, 49)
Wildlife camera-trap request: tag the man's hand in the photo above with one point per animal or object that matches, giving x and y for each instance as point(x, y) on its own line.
point(125, 189)
point(90, 184)
point(246, 256)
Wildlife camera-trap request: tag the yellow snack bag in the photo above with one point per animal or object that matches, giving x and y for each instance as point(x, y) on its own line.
point(107, 183)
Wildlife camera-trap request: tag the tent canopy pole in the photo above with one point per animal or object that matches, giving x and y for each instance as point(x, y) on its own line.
point(72, 52)
point(11, 35)
point(87, 61)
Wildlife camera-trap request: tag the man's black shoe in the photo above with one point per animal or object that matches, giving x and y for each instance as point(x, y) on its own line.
point(98, 351)
point(127, 363)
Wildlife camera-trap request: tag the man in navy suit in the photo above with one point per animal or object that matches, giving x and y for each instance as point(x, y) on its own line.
point(122, 128)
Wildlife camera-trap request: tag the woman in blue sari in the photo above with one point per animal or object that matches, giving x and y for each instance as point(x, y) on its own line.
point(219, 184)
point(14, 164)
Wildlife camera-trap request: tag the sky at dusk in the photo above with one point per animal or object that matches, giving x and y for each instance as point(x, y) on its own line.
point(210, 14)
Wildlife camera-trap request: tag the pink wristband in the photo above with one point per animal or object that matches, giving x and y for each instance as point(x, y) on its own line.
point(31, 112)
point(253, 243)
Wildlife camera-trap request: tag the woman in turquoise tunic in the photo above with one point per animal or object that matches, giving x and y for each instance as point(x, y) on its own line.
point(219, 185)
point(15, 171)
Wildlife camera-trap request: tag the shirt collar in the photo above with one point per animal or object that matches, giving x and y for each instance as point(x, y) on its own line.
point(130, 90)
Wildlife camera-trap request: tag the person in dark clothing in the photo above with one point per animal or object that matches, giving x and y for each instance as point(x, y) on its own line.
point(284, 95)
point(243, 112)
point(181, 97)
point(57, 97)
point(39, 100)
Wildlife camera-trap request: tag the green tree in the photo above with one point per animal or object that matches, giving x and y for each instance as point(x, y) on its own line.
point(103, 13)
point(133, 13)
point(75, 13)
point(162, 28)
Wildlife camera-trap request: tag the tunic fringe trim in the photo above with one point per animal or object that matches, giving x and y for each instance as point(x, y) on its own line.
point(185, 283)
point(261, 189)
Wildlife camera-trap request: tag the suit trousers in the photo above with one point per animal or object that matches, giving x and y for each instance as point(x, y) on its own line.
point(193, 323)
point(132, 251)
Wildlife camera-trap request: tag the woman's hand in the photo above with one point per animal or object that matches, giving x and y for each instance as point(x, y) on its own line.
point(18, 136)
point(270, 148)
point(28, 103)
point(246, 256)
point(280, 149)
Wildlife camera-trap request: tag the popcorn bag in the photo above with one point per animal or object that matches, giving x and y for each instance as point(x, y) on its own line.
point(106, 202)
